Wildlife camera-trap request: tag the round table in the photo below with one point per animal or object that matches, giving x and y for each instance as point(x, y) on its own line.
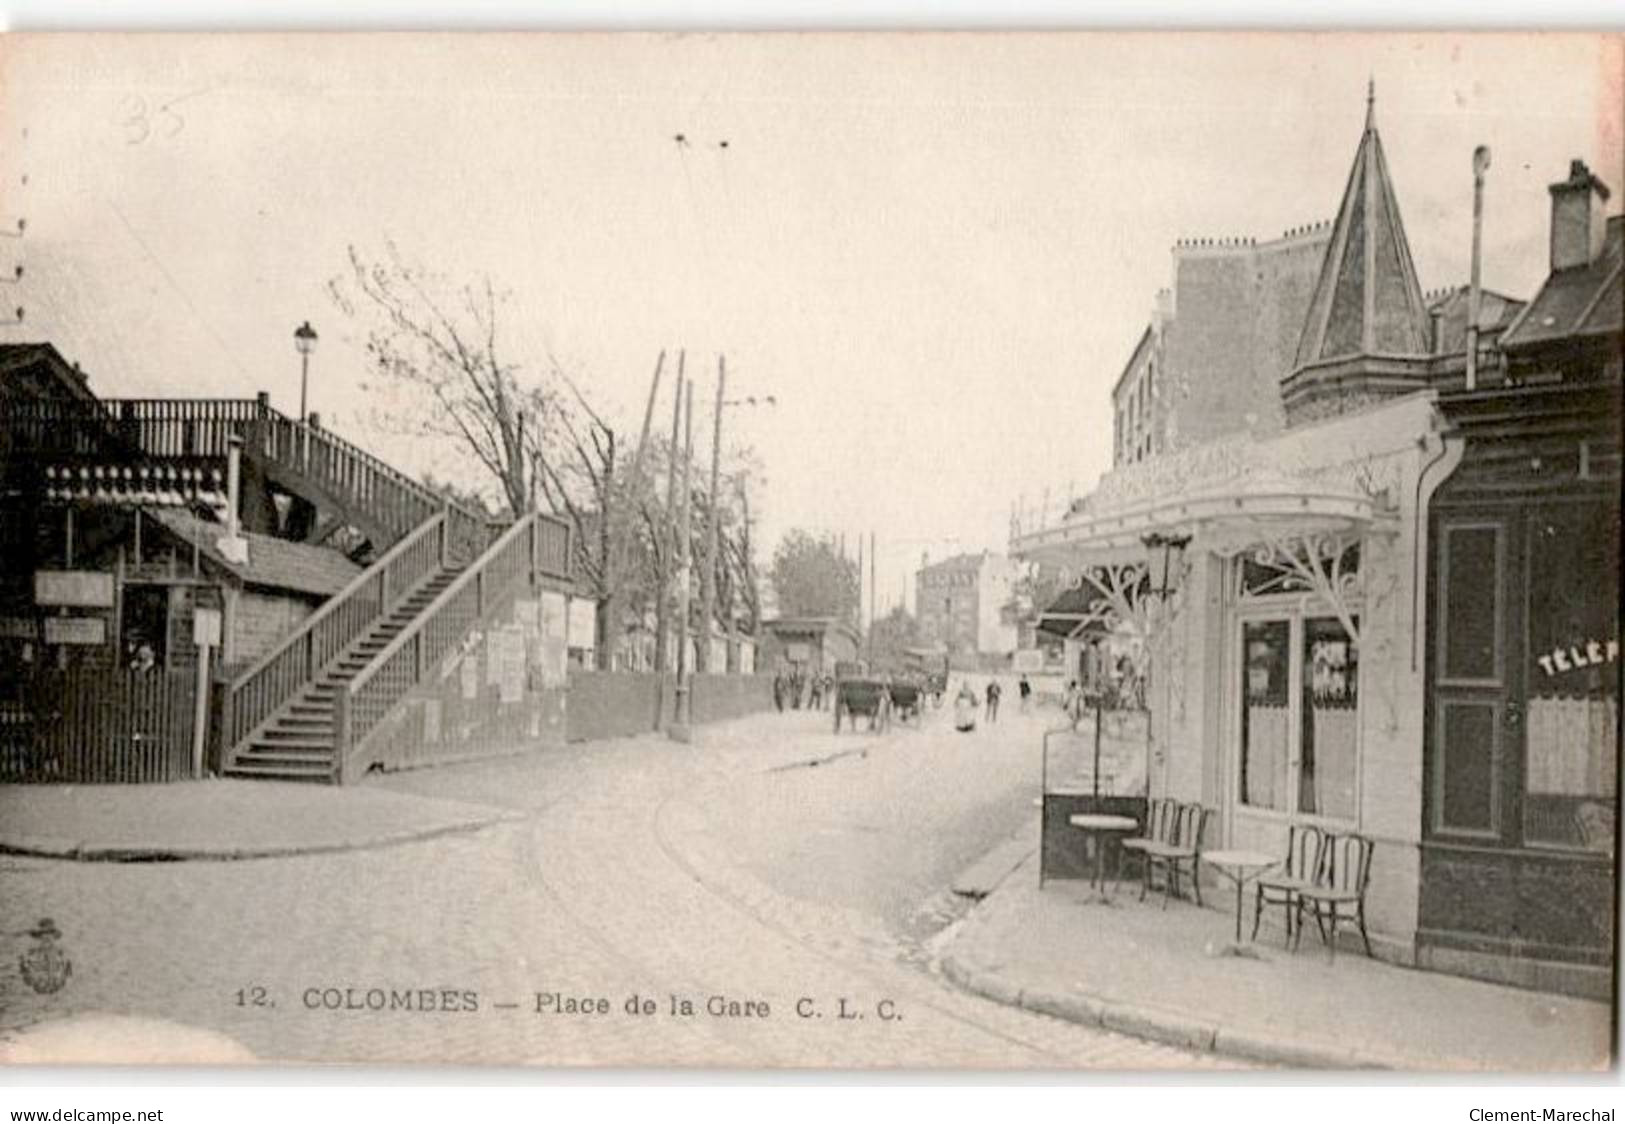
point(1240, 867)
point(1097, 826)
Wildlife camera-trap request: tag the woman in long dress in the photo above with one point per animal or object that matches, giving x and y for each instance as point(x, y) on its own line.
point(965, 708)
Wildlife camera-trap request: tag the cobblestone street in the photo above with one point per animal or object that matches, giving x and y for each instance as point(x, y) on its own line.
point(785, 882)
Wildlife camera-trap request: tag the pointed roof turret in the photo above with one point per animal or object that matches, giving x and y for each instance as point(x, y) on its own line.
point(1366, 300)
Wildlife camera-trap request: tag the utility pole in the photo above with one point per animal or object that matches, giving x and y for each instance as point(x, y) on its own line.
point(871, 599)
point(708, 598)
point(1481, 164)
point(662, 610)
point(680, 729)
point(620, 519)
point(859, 621)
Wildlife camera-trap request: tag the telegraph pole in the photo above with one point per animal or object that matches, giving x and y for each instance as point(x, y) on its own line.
point(680, 729)
point(708, 598)
point(871, 600)
point(662, 610)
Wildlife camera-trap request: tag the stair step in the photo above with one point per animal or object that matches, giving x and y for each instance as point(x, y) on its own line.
point(272, 757)
point(291, 734)
point(277, 771)
point(292, 739)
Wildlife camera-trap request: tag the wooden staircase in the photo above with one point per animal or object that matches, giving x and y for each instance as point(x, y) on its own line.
point(315, 707)
point(299, 742)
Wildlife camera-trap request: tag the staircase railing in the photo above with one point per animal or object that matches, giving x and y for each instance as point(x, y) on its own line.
point(390, 496)
point(152, 427)
point(534, 545)
point(254, 696)
point(199, 430)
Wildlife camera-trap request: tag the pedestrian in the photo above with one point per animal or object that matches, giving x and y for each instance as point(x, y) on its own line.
point(1026, 690)
point(778, 691)
point(965, 708)
point(993, 692)
point(1072, 703)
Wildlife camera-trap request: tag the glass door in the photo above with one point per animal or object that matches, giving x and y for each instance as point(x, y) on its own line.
point(1268, 744)
point(1299, 704)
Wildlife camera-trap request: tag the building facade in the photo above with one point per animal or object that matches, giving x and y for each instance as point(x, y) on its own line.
point(961, 604)
point(1211, 358)
point(1344, 623)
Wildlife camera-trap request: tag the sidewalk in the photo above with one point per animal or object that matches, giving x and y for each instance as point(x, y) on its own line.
point(248, 819)
point(1149, 971)
point(220, 819)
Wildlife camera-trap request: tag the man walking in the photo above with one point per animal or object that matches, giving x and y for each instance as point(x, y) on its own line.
point(992, 700)
point(1026, 690)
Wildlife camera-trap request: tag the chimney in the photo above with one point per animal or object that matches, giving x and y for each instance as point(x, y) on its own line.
point(1578, 221)
point(232, 546)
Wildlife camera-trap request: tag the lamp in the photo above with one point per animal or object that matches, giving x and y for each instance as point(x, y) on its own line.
point(304, 341)
point(1168, 544)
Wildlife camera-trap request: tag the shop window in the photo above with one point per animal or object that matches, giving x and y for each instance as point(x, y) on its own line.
point(1265, 713)
point(1571, 755)
point(1329, 745)
point(144, 626)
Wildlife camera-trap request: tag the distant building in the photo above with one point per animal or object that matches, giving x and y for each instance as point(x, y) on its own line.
point(1211, 360)
point(961, 603)
point(809, 645)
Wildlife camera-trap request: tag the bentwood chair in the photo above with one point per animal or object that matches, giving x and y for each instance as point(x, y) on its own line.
point(1339, 895)
point(1158, 828)
point(1305, 850)
point(1184, 851)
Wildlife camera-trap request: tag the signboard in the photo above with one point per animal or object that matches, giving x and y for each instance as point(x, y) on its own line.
point(1028, 660)
point(583, 622)
point(554, 653)
point(75, 630)
point(506, 651)
point(206, 628)
point(19, 628)
point(77, 589)
point(797, 653)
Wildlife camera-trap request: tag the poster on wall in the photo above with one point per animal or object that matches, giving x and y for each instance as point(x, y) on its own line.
point(554, 650)
point(583, 623)
point(507, 656)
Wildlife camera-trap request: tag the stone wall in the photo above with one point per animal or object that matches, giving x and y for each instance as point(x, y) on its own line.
point(501, 692)
point(718, 698)
point(613, 704)
point(618, 704)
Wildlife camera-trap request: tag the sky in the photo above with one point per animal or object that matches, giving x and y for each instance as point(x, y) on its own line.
point(935, 251)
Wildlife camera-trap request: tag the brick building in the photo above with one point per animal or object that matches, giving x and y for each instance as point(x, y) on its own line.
point(1211, 358)
point(961, 605)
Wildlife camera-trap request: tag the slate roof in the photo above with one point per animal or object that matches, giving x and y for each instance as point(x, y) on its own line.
point(1495, 312)
point(1366, 300)
point(273, 563)
point(1584, 301)
point(38, 370)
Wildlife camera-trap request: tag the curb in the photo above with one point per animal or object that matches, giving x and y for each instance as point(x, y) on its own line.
point(46, 847)
point(1167, 1027)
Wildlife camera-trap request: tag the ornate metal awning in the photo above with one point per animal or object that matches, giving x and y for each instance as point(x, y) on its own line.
point(1226, 520)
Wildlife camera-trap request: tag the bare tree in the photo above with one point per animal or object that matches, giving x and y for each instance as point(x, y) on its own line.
point(441, 339)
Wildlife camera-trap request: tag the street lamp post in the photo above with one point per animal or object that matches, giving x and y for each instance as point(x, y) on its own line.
point(304, 340)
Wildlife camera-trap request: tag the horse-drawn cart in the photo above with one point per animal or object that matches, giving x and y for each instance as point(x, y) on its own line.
point(868, 697)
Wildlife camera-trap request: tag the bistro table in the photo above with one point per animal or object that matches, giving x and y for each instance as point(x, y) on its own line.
point(1097, 827)
point(1240, 867)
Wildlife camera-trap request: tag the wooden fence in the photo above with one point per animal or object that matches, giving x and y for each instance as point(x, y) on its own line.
point(98, 728)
